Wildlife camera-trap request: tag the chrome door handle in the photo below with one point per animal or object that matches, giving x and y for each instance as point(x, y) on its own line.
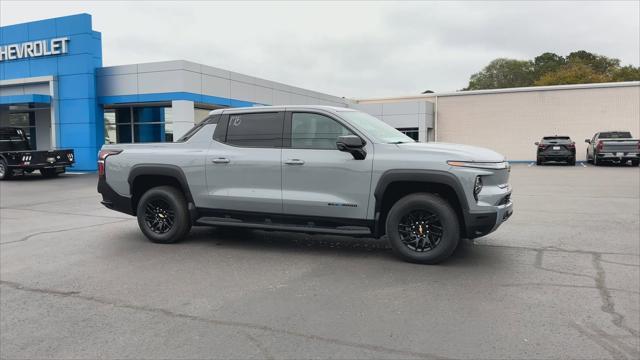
point(294, 162)
point(220, 161)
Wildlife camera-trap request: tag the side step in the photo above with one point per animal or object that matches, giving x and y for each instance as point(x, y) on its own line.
point(340, 230)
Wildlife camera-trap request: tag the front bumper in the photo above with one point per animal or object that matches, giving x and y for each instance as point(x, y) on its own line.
point(482, 223)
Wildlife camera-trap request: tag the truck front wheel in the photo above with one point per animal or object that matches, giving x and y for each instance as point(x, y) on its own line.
point(423, 228)
point(163, 215)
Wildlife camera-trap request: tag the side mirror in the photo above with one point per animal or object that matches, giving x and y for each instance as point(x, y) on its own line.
point(536, 143)
point(588, 141)
point(352, 144)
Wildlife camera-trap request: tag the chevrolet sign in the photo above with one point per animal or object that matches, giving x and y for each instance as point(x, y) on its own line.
point(35, 48)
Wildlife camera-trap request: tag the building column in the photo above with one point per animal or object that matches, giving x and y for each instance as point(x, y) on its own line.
point(183, 117)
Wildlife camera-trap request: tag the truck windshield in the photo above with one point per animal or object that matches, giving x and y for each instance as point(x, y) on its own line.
point(376, 128)
point(615, 135)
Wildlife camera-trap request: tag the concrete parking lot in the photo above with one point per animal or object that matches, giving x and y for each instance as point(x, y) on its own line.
point(561, 279)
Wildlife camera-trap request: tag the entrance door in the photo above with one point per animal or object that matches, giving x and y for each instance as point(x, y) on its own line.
point(318, 179)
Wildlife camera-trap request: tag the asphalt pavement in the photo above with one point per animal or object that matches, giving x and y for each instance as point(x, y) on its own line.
point(560, 279)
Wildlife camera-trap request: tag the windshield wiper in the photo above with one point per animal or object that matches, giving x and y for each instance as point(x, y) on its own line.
point(397, 142)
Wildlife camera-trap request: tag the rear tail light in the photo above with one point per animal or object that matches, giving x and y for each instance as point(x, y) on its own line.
point(599, 145)
point(572, 145)
point(102, 157)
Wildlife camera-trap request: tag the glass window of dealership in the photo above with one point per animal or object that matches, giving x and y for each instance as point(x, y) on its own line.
point(54, 87)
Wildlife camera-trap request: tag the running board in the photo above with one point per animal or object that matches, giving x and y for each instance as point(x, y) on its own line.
point(340, 230)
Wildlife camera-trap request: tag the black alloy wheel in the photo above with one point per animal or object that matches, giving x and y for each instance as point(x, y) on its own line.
point(159, 216)
point(163, 215)
point(420, 230)
point(423, 228)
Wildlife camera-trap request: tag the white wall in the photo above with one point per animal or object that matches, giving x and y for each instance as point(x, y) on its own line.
point(510, 122)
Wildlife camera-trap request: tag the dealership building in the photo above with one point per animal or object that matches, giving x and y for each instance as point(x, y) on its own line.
point(53, 85)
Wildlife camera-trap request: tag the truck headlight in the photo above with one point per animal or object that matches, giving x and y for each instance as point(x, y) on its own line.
point(477, 187)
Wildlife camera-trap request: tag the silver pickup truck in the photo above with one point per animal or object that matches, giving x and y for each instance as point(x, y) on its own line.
point(311, 169)
point(613, 147)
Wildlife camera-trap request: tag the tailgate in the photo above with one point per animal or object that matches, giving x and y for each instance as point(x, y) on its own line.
point(556, 150)
point(53, 157)
point(621, 145)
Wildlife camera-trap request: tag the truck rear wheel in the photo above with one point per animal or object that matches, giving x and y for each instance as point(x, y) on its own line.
point(5, 171)
point(163, 215)
point(423, 228)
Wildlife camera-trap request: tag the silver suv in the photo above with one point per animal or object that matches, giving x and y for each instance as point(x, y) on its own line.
point(312, 169)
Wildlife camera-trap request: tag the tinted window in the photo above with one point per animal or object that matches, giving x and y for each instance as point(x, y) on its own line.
point(615, 135)
point(556, 140)
point(255, 129)
point(315, 131)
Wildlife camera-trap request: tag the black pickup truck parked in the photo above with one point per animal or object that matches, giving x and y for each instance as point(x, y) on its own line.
point(16, 156)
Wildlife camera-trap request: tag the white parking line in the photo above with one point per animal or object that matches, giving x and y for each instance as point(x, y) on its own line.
point(583, 165)
point(530, 165)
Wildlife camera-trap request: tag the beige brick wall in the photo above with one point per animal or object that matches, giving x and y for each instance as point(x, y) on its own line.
point(511, 122)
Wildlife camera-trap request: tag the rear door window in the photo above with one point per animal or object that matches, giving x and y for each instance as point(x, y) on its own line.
point(255, 129)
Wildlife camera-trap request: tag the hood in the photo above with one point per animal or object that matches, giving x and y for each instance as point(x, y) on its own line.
point(455, 151)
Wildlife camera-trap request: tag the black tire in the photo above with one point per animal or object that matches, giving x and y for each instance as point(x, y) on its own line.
point(595, 160)
point(443, 220)
point(163, 215)
point(539, 161)
point(635, 162)
point(572, 161)
point(5, 172)
point(49, 173)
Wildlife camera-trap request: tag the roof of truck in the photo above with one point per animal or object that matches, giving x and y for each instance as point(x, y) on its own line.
point(280, 108)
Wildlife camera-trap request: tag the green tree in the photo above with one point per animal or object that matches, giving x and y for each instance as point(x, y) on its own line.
point(626, 73)
point(503, 73)
point(546, 63)
point(573, 73)
point(579, 67)
point(599, 63)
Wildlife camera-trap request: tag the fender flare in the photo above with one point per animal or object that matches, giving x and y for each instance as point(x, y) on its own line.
point(161, 170)
point(416, 175)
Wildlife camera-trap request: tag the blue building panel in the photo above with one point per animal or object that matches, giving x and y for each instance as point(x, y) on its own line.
point(76, 64)
point(42, 67)
point(76, 86)
point(14, 34)
point(17, 68)
point(73, 24)
point(25, 99)
point(42, 29)
point(75, 111)
point(78, 136)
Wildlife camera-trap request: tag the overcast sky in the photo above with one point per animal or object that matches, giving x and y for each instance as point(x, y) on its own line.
point(355, 50)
